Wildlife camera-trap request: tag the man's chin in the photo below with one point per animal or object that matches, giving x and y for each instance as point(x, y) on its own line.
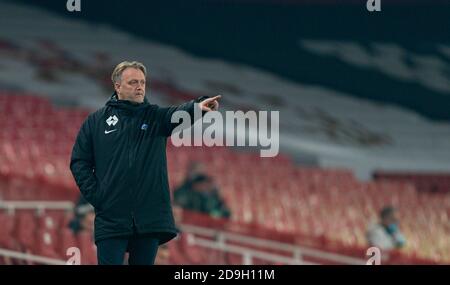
point(139, 98)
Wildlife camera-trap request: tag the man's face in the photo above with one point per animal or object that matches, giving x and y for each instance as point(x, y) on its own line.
point(390, 219)
point(132, 85)
point(203, 186)
point(196, 168)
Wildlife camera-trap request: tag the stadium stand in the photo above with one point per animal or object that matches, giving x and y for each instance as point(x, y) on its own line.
point(426, 182)
point(48, 86)
point(321, 203)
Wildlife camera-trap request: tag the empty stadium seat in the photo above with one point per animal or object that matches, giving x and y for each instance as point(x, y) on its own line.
point(87, 248)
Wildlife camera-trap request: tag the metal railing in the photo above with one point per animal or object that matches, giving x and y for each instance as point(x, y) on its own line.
point(30, 257)
point(219, 241)
point(39, 206)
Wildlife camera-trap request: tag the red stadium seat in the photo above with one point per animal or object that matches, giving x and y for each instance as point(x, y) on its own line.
point(6, 237)
point(67, 240)
point(87, 248)
point(46, 244)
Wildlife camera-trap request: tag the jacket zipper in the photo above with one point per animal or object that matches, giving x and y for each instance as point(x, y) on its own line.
point(130, 165)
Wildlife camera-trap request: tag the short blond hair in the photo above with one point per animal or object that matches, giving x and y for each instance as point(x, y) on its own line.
point(116, 75)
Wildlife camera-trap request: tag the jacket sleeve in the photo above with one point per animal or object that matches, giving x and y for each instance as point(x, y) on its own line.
point(82, 163)
point(165, 114)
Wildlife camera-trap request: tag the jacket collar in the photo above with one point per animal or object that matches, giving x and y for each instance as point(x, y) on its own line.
point(130, 106)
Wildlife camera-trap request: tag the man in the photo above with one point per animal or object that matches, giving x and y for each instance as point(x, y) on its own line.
point(202, 195)
point(193, 170)
point(119, 164)
point(386, 235)
point(83, 219)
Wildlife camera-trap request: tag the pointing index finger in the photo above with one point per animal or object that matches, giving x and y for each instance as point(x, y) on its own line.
point(215, 98)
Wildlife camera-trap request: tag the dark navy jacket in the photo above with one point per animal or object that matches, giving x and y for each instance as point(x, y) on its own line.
point(119, 163)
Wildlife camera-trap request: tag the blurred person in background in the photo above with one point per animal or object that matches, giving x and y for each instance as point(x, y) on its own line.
point(386, 234)
point(201, 195)
point(194, 170)
point(84, 217)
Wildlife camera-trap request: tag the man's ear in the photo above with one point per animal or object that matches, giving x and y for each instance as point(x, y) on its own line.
point(116, 87)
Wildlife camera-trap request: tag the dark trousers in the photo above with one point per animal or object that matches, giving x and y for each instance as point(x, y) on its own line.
point(142, 250)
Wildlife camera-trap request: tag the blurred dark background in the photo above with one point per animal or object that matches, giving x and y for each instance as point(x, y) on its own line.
point(266, 34)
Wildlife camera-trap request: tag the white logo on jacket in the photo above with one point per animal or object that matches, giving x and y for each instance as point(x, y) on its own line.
point(107, 132)
point(112, 120)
